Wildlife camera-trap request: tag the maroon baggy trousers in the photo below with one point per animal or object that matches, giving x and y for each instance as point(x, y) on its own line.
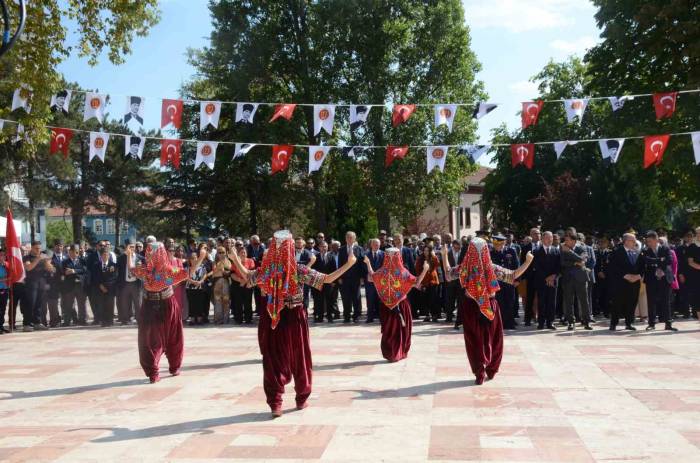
point(160, 331)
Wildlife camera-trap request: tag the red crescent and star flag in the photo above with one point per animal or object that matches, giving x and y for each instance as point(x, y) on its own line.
point(60, 141)
point(523, 153)
point(531, 112)
point(15, 268)
point(170, 153)
point(394, 152)
point(285, 111)
point(171, 113)
point(654, 148)
point(665, 104)
point(401, 113)
point(280, 157)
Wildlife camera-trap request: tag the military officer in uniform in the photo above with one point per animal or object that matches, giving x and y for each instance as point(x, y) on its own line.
point(506, 257)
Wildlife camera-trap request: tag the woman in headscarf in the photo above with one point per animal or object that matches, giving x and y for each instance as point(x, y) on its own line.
point(160, 316)
point(393, 282)
point(283, 330)
point(483, 327)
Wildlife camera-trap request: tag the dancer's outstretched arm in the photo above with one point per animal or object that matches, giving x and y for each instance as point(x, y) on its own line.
point(331, 277)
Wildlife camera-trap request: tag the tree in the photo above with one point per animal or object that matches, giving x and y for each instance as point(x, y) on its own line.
point(335, 51)
point(102, 25)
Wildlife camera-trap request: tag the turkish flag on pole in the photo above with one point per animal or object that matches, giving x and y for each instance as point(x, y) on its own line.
point(522, 154)
point(283, 110)
point(654, 148)
point(171, 112)
point(394, 152)
point(60, 139)
point(170, 152)
point(280, 157)
point(401, 113)
point(15, 267)
point(665, 104)
point(530, 113)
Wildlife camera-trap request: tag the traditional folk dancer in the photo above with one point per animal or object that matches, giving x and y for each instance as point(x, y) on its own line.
point(483, 326)
point(393, 282)
point(160, 316)
point(283, 330)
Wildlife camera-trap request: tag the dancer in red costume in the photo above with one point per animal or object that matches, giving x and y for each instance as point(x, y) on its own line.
point(160, 316)
point(483, 327)
point(393, 282)
point(283, 330)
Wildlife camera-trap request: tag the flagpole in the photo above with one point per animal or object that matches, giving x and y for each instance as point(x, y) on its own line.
point(11, 315)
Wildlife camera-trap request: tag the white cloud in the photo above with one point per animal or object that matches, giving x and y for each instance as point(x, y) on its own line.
point(524, 89)
point(574, 47)
point(524, 15)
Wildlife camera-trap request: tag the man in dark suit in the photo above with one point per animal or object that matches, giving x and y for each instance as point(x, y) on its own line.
point(256, 251)
point(547, 263)
point(452, 287)
point(682, 252)
point(351, 280)
point(134, 109)
point(529, 275)
point(321, 264)
point(623, 275)
point(331, 291)
point(73, 289)
point(574, 280)
point(658, 276)
point(304, 257)
point(601, 290)
point(376, 259)
point(590, 265)
point(106, 275)
point(505, 257)
point(55, 283)
point(128, 287)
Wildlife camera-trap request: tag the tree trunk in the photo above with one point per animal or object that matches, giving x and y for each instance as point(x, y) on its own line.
point(253, 219)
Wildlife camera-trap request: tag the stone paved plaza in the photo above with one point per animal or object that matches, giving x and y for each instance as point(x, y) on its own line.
point(78, 395)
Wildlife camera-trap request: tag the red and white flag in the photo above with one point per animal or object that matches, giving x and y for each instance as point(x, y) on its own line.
point(522, 154)
point(323, 118)
point(60, 141)
point(15, 267)
point(654, 148)
point(401, 113)
point(171, 113)
point(206, 154)
point(317, 154)
point(285, 111)
point(436, 157)
point(665, 104)
point(209, 113)
point(280, 157)
point(95, 104)
point(394, 152)
point(98, 145)
point(170, 153)
point(530, 113)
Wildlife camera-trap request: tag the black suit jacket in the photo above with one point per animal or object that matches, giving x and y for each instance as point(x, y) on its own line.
point(357, 271)
point(121, 265)
point(546, 264)
point(256, 254)
point(619, 265)
point(80, 277)
point(659, 260)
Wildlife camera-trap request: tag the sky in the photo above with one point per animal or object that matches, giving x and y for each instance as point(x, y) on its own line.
point(513, 40)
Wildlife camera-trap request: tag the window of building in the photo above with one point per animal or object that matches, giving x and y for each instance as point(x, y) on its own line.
point(460, 214)
point(97, 227)
point(125, 226)
point(110, 226)
point(468, 217)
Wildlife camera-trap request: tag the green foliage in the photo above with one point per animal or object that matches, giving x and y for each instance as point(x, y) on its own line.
point(59, 230)
point(335, 51)
point(647, 47)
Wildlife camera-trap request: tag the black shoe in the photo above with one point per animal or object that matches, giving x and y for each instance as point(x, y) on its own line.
point(449, 320)
point(369, 321)
point(651, 328)
point(670, 327)
point(613, 328)
point(426, 319)
point(528, 323)
point(330, 320)
point(346, 320)
point(570, 327)
point(630, 328)
point(551, 327)
point(587, 327)
point(65, 324)
point(540, 327)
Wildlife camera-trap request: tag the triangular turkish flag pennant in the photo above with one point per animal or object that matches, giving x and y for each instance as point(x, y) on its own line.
point(285, 111)
point(280, 157)
point(530, 113)
point(394, 152)
point(209, 112)
point(170, 153)
point(317, 154)
point(98, 145)
point(522, 154)
point(695, 138)
point(15, 268)
point(445, 115)
point(401, 113)
point(654, 148)
point(665, 104)
point(436, 157)
point(323, 118)
point(95, 104)
point(206, 154)
point(171, 113)
point(60, 140)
